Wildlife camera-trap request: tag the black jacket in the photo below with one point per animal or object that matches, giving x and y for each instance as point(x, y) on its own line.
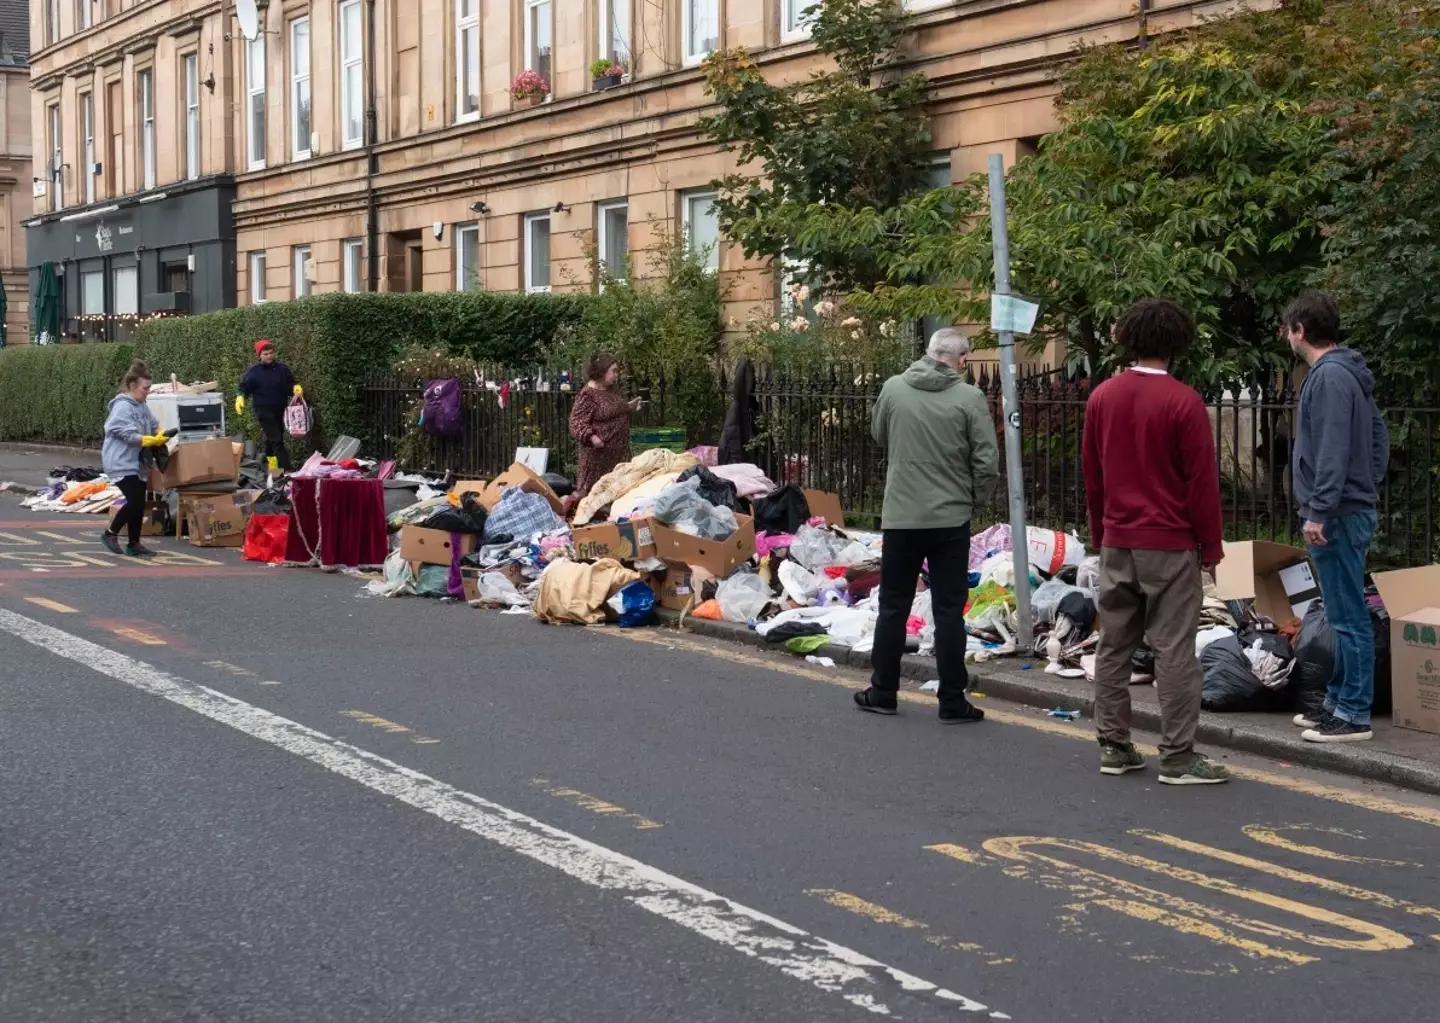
point(740, 419)
point(268, 386)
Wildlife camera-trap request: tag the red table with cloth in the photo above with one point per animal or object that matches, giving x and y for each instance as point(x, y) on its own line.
point(337, 523)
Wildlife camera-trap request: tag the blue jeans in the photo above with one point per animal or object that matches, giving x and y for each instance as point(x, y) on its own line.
point(1340, 564)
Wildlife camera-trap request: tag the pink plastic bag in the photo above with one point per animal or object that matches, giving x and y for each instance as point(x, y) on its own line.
point(298, 419)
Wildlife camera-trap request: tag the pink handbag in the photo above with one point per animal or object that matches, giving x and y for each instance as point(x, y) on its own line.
point(298, 419)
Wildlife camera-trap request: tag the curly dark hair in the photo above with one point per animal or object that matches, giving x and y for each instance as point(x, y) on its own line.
point(598, 366)
point(1155, 328)
point(1318, 313)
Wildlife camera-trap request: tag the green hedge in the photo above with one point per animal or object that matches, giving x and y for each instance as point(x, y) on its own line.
point(332, 342)
point(58, 393)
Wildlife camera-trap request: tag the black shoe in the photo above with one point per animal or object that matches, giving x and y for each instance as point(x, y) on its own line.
point(961, 714)
point(1332, 729)
point(111, 542)
point(139, 550)
point(871, 700)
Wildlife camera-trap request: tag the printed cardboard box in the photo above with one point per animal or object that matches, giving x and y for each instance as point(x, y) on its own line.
point(220, 521)
point(627, 541)
point(673, 588)
point(1412, 599)
point(432, 546)
point(1271, 575)
point(718, 557)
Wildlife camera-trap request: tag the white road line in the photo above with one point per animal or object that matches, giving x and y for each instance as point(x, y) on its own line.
point(834, 968)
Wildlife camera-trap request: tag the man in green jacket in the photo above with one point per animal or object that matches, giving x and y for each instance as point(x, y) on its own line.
point(943, 462)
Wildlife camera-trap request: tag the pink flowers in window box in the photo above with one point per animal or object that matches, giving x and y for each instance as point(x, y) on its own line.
point(530, 85)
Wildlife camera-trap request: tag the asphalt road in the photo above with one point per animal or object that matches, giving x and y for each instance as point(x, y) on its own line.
point(239, 793)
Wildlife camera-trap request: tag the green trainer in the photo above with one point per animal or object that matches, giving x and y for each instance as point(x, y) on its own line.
point(1200, 770)
point(1117, 759)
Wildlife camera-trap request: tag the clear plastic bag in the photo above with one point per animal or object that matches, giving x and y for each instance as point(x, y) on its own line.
point(1047, 597)
point(816, 549)
point(743, 597)
point(681, 507)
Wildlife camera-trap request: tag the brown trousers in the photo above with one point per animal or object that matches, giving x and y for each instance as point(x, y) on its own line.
point(1154, 596)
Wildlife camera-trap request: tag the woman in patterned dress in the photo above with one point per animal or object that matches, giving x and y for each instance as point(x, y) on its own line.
point(600, 423)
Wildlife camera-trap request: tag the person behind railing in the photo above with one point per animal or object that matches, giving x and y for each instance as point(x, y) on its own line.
point(600, 422)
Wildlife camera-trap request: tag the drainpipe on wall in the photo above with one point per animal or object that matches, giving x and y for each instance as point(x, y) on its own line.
point(1144, 35)
point(372, 157)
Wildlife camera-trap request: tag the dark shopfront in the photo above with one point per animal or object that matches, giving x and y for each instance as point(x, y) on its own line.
point(170, 252)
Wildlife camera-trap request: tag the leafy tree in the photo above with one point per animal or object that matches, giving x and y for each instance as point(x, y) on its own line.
point(854, 136)
point(1194, 169)
point(1384, 221)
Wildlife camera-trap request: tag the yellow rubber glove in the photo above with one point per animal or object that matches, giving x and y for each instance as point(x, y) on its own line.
point(239, 404)
point(299, 391)
point(158, 440)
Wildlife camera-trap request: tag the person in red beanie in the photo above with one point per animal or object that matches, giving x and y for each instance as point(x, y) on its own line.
point(269, 385)
point(1153, 486)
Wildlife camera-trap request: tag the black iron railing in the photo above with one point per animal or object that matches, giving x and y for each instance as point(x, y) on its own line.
point(814, 430)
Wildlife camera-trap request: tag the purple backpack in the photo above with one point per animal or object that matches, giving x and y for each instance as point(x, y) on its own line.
point(440, 414)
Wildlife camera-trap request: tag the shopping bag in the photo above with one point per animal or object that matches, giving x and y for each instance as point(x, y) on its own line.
point(265, 538)
point(298, 419)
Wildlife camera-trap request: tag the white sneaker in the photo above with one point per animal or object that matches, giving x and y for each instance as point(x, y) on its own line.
point(1305, 721)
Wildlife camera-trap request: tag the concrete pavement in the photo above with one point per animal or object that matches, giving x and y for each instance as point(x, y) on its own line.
point(183, 856)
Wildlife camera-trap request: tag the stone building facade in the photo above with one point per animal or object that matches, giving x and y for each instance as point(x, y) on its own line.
point(375, 144)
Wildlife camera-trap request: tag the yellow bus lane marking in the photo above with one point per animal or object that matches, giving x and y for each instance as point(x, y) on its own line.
point(17, 540)
point(1273, 836)
point(62, 538)
point(881, 915)
point(595, 804)
point(53, 605)
point(136, 635)
point(385, 725)
point(1419, 813)
point(1299, 877)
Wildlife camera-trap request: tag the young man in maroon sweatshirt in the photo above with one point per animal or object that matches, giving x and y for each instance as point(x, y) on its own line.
point(1153, 487)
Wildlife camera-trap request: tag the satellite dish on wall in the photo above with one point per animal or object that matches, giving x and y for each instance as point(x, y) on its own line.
point(248, 17)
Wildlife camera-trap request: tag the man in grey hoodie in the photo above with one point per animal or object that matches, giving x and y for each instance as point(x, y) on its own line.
point(943, 463)
point(1342, 451)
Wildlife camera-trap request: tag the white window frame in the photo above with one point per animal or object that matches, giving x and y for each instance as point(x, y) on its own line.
point(147, 128)
point(352, 265)
point(687, 199)
point(87, 132)
point(532, 55)
point(608, 23)
point(924, 5)
point(465, 27)
point(126, 300)
point(259, 287)
point(467, 235)
point(87, 279)
point(300, 80)
point(531, 287)
point(790, 270)
point(687, 18)
point(299, 256)
point(57, 156)
point(794, 26)
point(85, 16)
point(190, 67)
point(255, 89)
point(352, 75)
point(602, 238)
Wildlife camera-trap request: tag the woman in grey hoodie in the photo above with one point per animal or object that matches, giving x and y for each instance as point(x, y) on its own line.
point(131, 431)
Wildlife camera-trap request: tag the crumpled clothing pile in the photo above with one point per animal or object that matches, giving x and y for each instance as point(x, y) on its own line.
point(627, 476)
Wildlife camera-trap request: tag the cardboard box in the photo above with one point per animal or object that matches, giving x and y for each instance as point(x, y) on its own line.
point(198, 461)
point(826, 506)
point(432, 546)
point(157, 513)
point(470, 578)
point(220, 521)
point(719, 557)
point(1412, 599)
point(673, 588)
point(1269, 574)
point(631, 540)
point(525, 478)
point(463, 487)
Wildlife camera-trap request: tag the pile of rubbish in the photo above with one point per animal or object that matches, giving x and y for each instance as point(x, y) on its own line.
point(75, 490)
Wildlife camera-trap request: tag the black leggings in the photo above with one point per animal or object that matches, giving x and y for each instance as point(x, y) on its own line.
point(272, 425)
point(132, 516)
